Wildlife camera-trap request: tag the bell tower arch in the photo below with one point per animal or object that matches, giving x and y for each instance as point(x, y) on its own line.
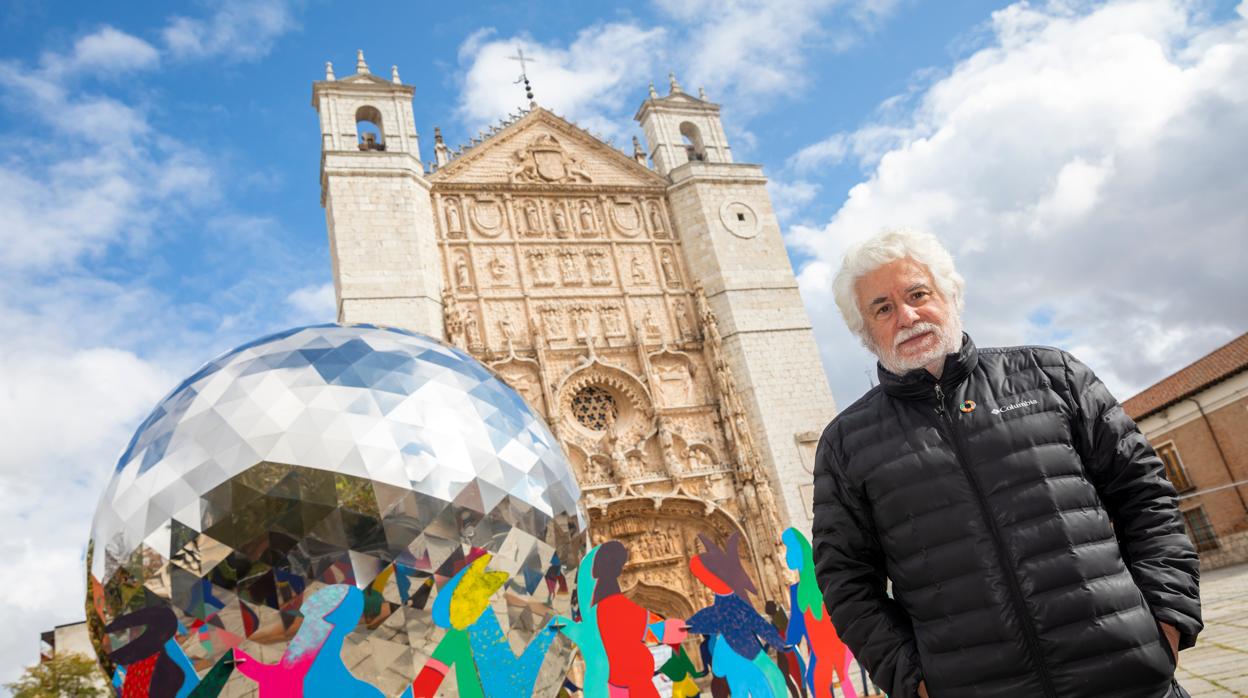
point(377, 204)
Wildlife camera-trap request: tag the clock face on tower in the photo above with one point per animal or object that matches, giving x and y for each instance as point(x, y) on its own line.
point(739, 219)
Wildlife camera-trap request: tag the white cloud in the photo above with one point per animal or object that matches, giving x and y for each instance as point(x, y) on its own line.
point(238, 31)
point(313, 304)
point(788, 197)
point(1086, 170)
point(108, 50)
point(592, 76)
point(743, 50)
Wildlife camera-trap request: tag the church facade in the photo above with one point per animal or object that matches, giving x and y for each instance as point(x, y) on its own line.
point(644, 305)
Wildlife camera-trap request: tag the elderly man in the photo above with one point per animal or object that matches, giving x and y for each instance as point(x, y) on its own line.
point(1032, 541)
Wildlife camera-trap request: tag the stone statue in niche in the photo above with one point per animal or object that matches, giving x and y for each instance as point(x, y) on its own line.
point(682, 320)
point(560, 220)
point(453, 224)
point(463, 279)
point(588, 222)
point(656, 219)
point(507, 328)
point(569, 268)
point(650, 324)
point(471, 330)
point(598, 272)
point(674, 383)
point(638, 270)
point(635, 464)
point(670, 277)
point(498, 268)
point(540, 263)
point(532, 218)
point(580, 318)
point(611, 320)
point(552, 321)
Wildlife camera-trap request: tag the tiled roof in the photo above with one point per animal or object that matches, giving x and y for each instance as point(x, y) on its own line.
point(1218, 365)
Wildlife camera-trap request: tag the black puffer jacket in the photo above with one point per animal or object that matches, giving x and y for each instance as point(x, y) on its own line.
point(996, 526)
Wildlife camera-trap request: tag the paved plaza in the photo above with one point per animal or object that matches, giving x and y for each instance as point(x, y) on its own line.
point(1218, 664)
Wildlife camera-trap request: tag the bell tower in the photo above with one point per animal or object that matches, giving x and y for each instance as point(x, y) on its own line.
point(377, 205)
point(731, 239)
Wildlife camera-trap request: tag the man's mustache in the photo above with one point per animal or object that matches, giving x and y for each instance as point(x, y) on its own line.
point(914, 331)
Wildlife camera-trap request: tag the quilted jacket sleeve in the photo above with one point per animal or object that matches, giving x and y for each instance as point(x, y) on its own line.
point(849, 566)
point(1131, 481)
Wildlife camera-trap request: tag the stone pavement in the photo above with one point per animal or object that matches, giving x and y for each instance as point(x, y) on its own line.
point(1218, 664)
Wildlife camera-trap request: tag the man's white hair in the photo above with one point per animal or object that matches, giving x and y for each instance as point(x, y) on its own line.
point(889, 246)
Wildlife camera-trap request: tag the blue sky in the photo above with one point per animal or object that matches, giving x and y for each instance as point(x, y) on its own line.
point(159, 196)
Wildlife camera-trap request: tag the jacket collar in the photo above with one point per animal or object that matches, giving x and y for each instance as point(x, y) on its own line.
point(919, 384)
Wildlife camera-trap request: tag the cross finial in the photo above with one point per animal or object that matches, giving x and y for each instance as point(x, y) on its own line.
point(361, 68)
point(524, 74)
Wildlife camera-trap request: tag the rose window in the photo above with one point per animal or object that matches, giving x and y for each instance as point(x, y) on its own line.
point(594, 408)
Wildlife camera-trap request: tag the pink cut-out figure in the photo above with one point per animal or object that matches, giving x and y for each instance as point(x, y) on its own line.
point(322, 629)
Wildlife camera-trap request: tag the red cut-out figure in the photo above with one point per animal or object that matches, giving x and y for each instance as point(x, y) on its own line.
point(627, 628)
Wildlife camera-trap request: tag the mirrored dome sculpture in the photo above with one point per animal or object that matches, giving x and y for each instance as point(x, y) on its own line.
point(355, 456)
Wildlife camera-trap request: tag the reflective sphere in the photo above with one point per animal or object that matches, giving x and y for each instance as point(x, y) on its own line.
point(335, 455)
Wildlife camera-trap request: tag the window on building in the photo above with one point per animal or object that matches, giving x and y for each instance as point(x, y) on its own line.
point(693, 142)
point(1174, 467)
point(1200, 530)
point(368, 129)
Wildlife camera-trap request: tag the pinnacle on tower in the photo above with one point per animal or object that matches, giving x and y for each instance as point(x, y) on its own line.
point(638, 154)
point(394, 75)
point(675, 86)
point(329, 71)
point(361, 68)
point(654, 94)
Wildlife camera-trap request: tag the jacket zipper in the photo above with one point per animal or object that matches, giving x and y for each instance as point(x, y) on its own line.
point(1016, 591)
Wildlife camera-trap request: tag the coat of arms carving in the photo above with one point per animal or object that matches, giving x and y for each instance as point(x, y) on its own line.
point(545, 161)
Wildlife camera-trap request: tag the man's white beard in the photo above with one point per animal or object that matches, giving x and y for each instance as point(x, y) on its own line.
point(948, 341)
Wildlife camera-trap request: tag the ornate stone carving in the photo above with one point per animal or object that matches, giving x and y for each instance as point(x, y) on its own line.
point(560, 219)
point(500, 270)
point(569, 267)
point(671, 277)
point(612, 321)
point(683, 329)
point(529, 218)
point(463, 277)
point(472, 331)
point(552, 321)
point(675, 383)
point(487, 216)
point(626, 217)
point(599, 273)
point(656, 220)
point(454, 227)
point(637, 269)
point(587, 219)
point(540, 265)
point(544, 160)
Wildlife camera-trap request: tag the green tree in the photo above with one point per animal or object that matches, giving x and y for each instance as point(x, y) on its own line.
point(68, 675)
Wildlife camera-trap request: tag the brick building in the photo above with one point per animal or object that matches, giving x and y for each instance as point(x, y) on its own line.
point(1197, 419)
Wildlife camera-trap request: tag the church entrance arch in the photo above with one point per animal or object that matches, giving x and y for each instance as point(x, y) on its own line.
point(661, 536)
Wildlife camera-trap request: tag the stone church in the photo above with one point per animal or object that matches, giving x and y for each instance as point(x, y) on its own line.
point(644, 305)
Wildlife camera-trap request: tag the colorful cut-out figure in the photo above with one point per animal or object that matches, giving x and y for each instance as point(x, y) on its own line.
point(151, 661)
point(312, 663)
point(736, 653)
point(680, 670)
point(583, 630)
point(474, 640)
point(627, 628)
point(812, 622)
point(789, 661)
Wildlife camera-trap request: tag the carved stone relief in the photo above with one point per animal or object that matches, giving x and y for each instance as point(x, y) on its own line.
point(544, 160)
point(541, 267)
point(487, 216)
point(463, 275)
point(587, 219)
point(454, 224)
point(570, 267)
point(599, 267)
point(626, 217)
